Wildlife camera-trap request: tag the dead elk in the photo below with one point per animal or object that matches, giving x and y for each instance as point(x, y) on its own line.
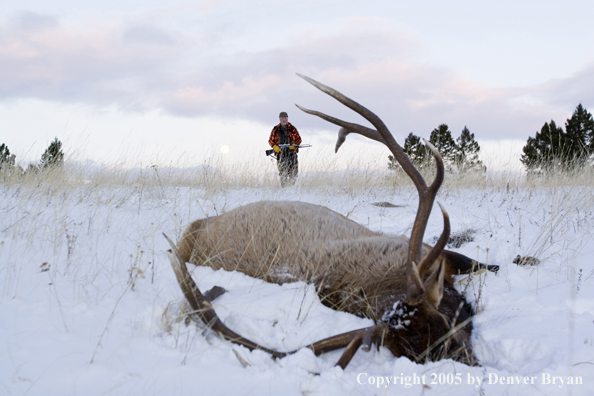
point(405, 286)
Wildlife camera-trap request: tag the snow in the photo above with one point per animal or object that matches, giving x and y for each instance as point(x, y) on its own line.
point(103, 319)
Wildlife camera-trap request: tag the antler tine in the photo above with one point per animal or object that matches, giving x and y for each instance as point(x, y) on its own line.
point(342, 134)
point(439, 246)
point(381, 134)
point(347, 127)
point(440, 171)
point(352, 340)
point(426, 194)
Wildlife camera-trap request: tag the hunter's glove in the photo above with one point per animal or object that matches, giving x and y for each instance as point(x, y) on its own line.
point(292, 147)
point(276, 149)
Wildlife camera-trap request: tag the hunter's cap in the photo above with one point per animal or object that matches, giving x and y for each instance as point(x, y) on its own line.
point(283, 114)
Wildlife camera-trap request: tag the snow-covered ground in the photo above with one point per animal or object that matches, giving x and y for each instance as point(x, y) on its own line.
point(89, 304)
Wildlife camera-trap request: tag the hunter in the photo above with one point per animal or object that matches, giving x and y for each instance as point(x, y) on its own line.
point(285, 133)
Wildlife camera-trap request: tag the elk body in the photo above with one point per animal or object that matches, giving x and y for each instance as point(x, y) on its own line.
point(354, 269)
point(405, 286)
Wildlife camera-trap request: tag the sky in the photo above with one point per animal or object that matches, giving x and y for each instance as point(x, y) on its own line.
point(142, 82)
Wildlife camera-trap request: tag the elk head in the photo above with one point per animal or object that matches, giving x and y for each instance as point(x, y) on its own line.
point(428, 321)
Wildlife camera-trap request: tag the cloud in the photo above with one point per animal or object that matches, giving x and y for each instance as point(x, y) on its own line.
point(570, 91)
point(149, 35)
point(32, 21)
point(94, 65)
point(216, 70)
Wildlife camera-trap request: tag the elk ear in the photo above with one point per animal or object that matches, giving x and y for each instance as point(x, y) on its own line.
point(434, 285)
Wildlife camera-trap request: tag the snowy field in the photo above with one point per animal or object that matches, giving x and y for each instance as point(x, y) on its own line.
point(89, 304)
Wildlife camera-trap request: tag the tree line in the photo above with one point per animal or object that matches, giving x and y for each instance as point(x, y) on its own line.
point(52, 158)
point(460, 155)
point(555, 149)
point(551, 149)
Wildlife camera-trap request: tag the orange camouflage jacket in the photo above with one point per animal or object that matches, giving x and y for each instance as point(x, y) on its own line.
point(293, 135)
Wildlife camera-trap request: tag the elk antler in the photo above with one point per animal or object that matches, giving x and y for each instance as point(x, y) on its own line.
point(202, 308)
point(426, 193)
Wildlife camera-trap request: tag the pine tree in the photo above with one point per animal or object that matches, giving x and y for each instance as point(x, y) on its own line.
point(462, 153)
point(416, 151)
point(548, 150)
point(6, 159)
point(441, 138)
point(53, 157)
point(467, 153)
point(580, 135)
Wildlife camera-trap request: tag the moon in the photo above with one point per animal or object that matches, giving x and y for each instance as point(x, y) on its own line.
point(224, 149)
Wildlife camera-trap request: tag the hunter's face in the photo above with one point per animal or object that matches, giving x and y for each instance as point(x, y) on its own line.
point(284, 120)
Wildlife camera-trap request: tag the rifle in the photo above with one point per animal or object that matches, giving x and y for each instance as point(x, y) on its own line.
point(285, 147)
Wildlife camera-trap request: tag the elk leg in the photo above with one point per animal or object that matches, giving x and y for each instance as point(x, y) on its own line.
point(492, 268)
point(460, 264)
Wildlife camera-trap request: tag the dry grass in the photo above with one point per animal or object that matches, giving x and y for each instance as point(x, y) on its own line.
point(354, 178)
